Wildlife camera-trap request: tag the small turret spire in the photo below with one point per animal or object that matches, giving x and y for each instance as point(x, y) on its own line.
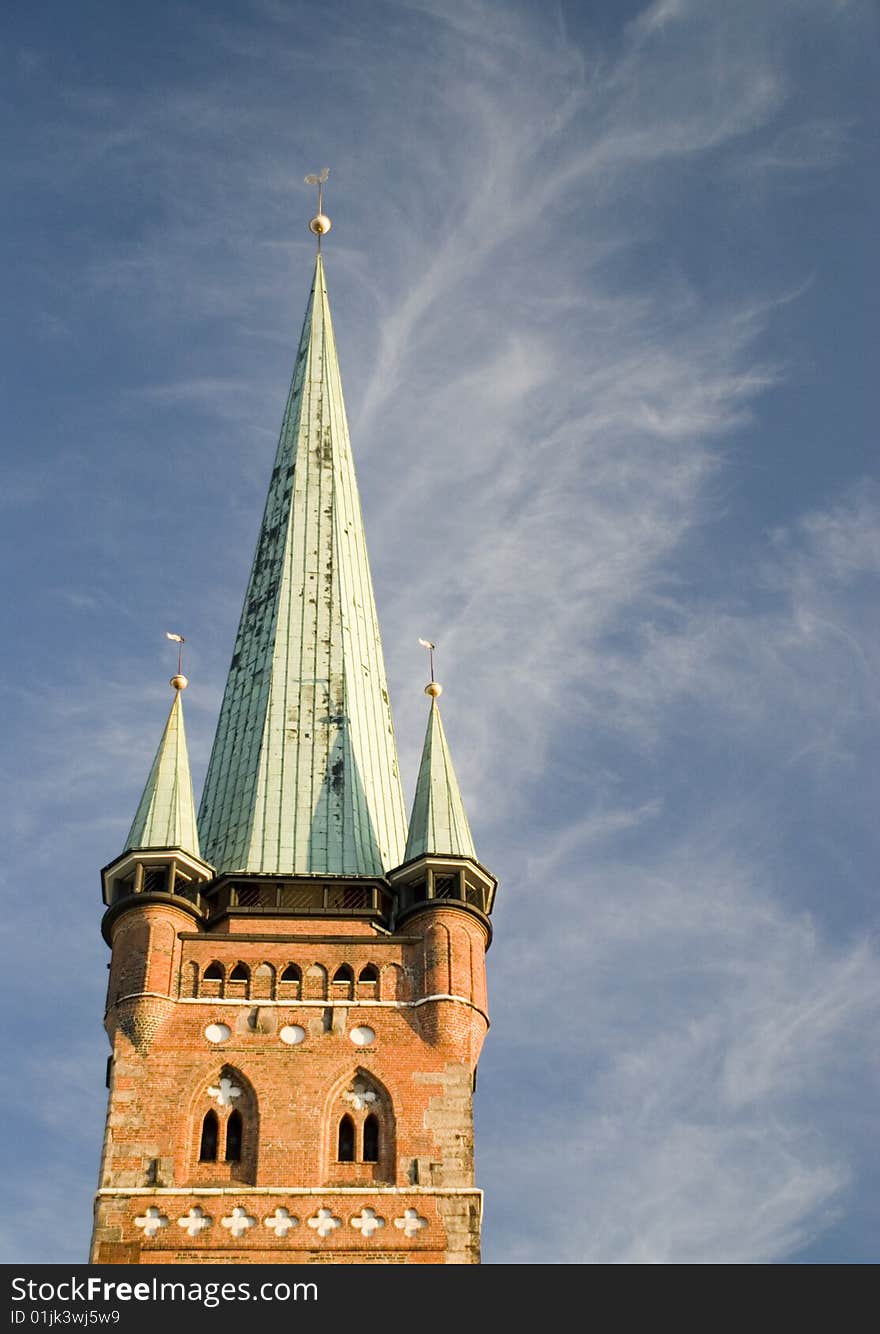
point(166, 815)
point(438, 825)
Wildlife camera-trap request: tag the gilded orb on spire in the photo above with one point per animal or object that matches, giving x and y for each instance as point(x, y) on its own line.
point(433, 688)
point(179, 682)
point(320, 223)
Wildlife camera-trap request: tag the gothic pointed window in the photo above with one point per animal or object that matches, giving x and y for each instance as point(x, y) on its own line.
point(212, 980)
point(371, 1139)
point(345, 1150)
point(234, 1130)
point(361, 1135)
point(225, 1133)
point(368, 981)
point(343, 983)
point(237, 984)
point(290, 983)
point(210, 1135)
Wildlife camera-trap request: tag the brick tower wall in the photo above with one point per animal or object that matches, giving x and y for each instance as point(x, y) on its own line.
point(158, 1203)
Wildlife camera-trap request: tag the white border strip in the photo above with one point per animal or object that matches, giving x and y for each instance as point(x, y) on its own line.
point(256, 1002)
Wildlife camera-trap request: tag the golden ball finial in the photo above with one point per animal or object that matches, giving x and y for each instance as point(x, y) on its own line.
point(433, 688)
point(320, 224)
point(179, 682)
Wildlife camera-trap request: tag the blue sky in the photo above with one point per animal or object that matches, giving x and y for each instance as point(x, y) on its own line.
point(604, 285)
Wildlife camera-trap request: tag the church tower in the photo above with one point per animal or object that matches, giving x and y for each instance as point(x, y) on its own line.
point(297, 995)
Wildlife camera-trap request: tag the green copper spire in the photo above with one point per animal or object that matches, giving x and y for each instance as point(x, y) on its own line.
point(166, 816)
point(303, 777)
point(438, 825)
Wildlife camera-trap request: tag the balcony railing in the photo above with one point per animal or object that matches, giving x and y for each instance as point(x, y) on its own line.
point(287, 897)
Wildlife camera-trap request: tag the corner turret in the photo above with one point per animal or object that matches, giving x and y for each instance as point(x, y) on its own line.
point(152, 893)
point(440, 864)
point(162, 854)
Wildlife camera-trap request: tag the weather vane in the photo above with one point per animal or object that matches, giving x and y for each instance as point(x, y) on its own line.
point(433, 688)
point(179, 681)
point(320, 223)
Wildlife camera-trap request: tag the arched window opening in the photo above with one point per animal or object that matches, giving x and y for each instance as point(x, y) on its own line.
point(290, 982)
point(210, 1132)
point(233, 1138)
point(345, 1152)
point(213, 973)
point(371, 1139)
point(343, 983)
point(221, 1142)
point(361, 1139)
point(238, 982)
point(370, 973)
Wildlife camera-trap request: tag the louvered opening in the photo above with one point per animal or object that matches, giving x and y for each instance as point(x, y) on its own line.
point(446, 887)
point(256, 896)
point(347, 896)
point(300, 898)
point(155, 879)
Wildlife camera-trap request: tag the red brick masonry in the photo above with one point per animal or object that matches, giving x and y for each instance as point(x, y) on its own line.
point(429, 1015)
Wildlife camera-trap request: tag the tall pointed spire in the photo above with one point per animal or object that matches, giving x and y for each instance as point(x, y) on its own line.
point(438, 825)
point(166, 815)
point(303, 777)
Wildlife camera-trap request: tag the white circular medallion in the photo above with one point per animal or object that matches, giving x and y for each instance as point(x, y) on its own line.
point(217, 1032)
point(362, 1036)
point(293, 1035)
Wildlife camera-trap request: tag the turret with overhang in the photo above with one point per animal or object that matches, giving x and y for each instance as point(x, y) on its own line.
point(161, 854)
point(440, 865)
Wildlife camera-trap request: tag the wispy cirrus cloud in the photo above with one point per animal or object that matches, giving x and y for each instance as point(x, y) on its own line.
point(689, 1022)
